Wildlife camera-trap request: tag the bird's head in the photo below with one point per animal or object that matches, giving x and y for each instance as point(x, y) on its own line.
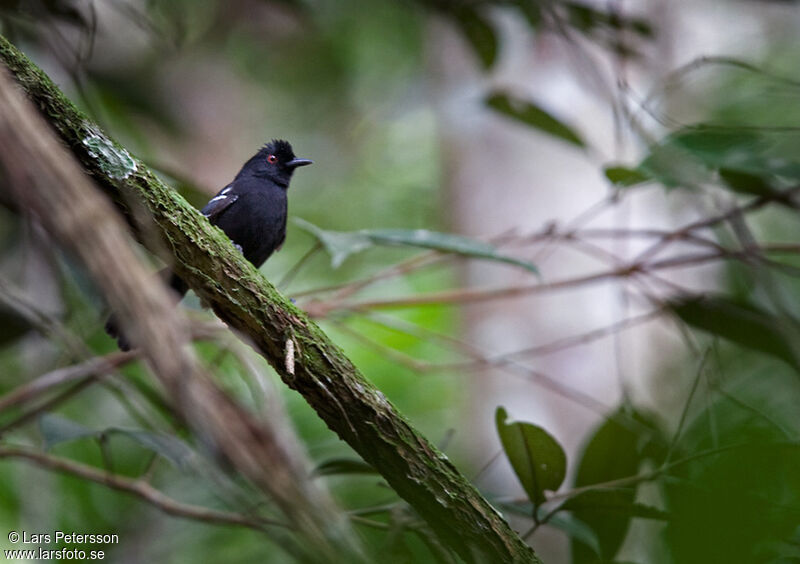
point(275, 161)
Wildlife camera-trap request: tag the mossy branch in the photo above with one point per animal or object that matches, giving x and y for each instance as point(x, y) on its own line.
point(349, 404)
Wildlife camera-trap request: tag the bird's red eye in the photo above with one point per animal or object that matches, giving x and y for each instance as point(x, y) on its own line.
point(272, 159)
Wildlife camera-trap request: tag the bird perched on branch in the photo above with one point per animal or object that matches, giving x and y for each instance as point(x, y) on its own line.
point(251, 210)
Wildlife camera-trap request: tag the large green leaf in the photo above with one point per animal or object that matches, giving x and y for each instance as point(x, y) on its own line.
point(744, 325)
point(536, 457)
point(342, 244)
point(611, 453)
point(532, 115)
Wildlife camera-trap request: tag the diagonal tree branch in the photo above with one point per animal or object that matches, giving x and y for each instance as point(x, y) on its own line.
point(315, 367)
point(47, 182)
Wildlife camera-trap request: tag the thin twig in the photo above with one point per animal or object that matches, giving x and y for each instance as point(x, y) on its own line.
point(685, 411)
point(47, 405)
point(91, 368)
point(292, 272)
point(140, 489)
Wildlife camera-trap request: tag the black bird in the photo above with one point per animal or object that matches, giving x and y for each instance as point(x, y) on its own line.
point(251, 210)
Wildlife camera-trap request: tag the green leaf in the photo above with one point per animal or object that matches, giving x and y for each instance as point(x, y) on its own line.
point(167, 446)
point(719, 147)
point(343, 466)
point(479, 32)
point(532, 115)
point(610, 454)
point(744, 160)
point(624, 177)
point(338, 244)
point(744, 325)
point(444, 242)
point(536, 457)
point(531, 11)
point(746, 183)
point(612, 502)
point(342, 244)
point(689, 156)
point(56, 430)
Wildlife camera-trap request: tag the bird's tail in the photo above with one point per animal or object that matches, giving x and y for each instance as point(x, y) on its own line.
point(112, 326)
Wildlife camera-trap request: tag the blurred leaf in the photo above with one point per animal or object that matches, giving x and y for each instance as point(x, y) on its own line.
point(688, 156)
point(56, 430)
point(12, 325)
point(736, 506)
point(338, 244)
point(642, 27)
point(446, 243)
point(652, 444)
point(717, 147)
point(746, 183)
point(168, 446)
point(744, 325)
point(613, 502)
point(588, 19)
point(532, 115)
point(584, 17)
point(623, 49)
point(478, 31)
point(531, 11)
point(623, 177)
point(577, 530)
point(536, 457)
point(341, 244)
point(610, 454)
point(674, 167)
point(343, 466)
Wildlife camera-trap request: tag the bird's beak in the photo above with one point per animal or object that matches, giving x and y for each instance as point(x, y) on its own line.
point(294, 163)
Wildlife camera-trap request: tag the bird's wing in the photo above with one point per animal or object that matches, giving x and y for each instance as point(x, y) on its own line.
point(219, 203)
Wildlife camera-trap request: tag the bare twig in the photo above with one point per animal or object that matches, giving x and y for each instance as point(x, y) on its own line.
point(91, 368)
point(140, 489)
